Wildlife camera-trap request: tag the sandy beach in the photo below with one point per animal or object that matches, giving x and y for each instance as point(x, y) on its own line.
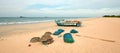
point(97, 35)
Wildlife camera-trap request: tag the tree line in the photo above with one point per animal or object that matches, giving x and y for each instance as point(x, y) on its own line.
point(111, 16)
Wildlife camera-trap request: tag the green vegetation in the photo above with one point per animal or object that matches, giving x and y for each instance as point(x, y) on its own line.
point(118, 16)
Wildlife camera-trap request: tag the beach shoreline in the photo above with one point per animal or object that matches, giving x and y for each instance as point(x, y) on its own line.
point(97, 35)
point(31, 20)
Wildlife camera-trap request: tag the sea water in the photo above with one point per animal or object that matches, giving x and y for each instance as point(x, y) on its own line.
point(26, 20)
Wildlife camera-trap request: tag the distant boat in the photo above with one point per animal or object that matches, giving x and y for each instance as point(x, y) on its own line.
point(22, 17)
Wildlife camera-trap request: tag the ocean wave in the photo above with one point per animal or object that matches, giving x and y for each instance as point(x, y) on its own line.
point(24, 22)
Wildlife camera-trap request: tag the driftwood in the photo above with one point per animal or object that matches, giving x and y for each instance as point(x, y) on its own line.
point(46, 38)
point(35, 39)
point(96, 38)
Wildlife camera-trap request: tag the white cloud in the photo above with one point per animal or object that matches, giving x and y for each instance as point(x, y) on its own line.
point(67, 8)
point(77, 12)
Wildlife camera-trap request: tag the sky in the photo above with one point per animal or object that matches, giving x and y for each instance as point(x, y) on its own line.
point(59, 8)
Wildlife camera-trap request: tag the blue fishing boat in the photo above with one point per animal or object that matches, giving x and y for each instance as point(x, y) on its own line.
point(68, 38)
point(68, 23)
